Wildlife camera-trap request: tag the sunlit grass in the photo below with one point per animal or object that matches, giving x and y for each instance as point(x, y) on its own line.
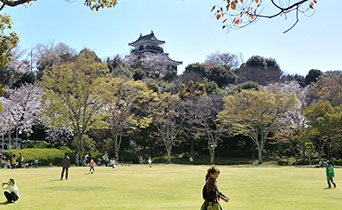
point(172, 187)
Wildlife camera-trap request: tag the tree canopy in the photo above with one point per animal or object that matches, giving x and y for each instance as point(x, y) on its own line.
point(255, 113)
point(73, 96)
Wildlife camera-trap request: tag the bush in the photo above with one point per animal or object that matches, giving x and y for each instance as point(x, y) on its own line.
point(160, 159)
point(45, 156)
point(338, 162)
point(35, 144)
point(95, 155)
point(306, 162)
point(237, 153)
point(128, 157)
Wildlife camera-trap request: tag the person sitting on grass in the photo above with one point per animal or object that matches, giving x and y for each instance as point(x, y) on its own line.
point(36, 162)
point(13, 194)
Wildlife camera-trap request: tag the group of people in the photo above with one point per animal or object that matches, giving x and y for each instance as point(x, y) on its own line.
point(17, 162)
point(86, 159)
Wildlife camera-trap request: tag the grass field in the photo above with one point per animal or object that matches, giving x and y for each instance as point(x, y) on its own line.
point(138, 187)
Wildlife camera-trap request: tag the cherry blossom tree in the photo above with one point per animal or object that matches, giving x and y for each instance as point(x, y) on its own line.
point(155, 65)
point(1, 91)
point(202, 114)
point(294, 134)
point(168, 120)
point(21, 108)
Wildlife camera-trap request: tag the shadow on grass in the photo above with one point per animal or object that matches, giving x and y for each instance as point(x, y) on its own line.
point(76, 188)
point(327, 188)
point(55, 180)
point(5, 203)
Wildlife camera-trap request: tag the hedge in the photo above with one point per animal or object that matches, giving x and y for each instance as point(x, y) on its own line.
point(45, 156)
point(128, 157)
point(315, 162)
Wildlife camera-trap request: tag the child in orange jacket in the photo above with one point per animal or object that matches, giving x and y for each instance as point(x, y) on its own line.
point(92, 165)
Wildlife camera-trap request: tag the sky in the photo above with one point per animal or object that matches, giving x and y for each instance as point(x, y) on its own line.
point(189, 29)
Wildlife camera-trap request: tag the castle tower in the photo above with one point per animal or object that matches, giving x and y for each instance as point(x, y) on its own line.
point(150, 44)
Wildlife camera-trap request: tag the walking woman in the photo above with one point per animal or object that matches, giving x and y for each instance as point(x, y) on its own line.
point(210, 192)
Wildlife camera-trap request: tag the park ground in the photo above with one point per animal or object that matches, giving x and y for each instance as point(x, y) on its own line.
point(164, 187)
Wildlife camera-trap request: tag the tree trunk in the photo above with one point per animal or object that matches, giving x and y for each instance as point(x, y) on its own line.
point(212, 154)
point(192, 147)
point(80, 144)
point(168, 151)
point(115, 144)
point(260, 155)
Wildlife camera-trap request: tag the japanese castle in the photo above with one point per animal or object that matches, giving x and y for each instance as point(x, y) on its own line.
point(149, 43)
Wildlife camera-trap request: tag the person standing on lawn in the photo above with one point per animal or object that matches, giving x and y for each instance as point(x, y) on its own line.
point(330, 174)
point(92, 165)
point(65, 163)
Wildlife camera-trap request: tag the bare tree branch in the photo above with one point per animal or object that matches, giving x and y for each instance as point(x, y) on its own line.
point(2, 6)
point(243, 13)
point(297, 20)
point(14, 3)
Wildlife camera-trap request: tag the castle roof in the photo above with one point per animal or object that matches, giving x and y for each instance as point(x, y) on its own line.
point(149, 38)
point(172, 62)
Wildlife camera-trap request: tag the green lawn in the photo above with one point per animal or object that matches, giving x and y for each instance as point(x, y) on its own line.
point(172, 187)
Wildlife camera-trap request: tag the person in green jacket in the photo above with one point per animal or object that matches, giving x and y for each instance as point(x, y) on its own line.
point(330, 174)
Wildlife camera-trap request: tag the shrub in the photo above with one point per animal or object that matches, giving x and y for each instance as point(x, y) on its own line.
point(95, 155)
point(306, 162)
point(35, 144)
point(160, 159)
point(338, 162)
point(237, 153)
point(45, 156)
point(129, 156)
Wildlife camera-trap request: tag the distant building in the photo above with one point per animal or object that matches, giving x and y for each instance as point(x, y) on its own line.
point(150, 45)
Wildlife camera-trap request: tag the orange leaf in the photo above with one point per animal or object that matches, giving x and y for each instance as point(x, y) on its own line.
point(251, 16)
point(233, 6)
point(224, 20)
point(227, 7)
point(237, 22)
point(241, 1)
point(218, 16)
point(256, 1)
point(223, 26)
point(311, 5)
point(213, 8)
point(315, 1)
point(221, 9)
